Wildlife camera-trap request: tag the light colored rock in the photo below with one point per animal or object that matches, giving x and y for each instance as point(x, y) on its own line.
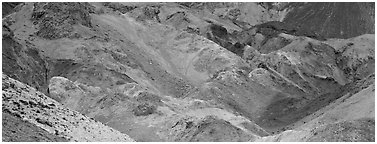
point(36, 108)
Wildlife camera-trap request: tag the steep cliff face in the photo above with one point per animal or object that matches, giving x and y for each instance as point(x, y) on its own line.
point(186, 71)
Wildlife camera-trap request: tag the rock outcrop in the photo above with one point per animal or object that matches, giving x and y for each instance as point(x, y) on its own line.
point(14, 129)
point(55, 20)
point(36, 108)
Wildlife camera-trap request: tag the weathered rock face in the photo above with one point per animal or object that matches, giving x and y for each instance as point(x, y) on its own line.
point(355, 56)
point(186, 72)
point(21, 59)
point(23, 63)
point(26, 103)
point(55, 20)
point(14, 129)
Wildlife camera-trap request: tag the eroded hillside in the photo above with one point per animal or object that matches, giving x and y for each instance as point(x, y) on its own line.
point(188, 72)
point(27, 104)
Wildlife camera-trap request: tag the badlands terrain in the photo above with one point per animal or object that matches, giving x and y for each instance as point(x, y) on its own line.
point(188, 72)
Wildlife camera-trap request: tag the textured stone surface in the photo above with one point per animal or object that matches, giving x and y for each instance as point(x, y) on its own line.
point(36, 108)
point(14, 129)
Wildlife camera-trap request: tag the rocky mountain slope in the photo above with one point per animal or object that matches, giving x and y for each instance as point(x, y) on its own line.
point(187, 72)
point(25, 104)
point(333, 20)
point(349, 118)
point(17, 130)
